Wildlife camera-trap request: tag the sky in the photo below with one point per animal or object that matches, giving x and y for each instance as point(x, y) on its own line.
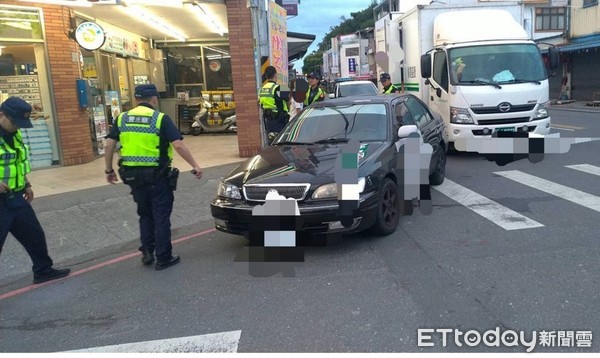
point(316, 17)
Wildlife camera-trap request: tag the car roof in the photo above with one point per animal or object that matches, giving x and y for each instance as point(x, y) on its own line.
point(375, 98)
point(349, 83)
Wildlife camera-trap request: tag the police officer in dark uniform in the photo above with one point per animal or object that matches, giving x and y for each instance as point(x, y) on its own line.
point(275, 108)
point(315, 93)
point(16, 214)
point(386, 82)
point(147, 139)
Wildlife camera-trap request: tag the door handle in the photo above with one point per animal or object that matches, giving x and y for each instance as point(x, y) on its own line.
point(431, 98)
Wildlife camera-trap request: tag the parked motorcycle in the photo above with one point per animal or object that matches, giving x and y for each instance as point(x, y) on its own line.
point(200, 124)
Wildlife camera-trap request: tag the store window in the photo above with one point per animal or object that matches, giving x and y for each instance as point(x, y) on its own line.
point(549, 18)
point(20, 24)
point(24, 74)
point(196, 69)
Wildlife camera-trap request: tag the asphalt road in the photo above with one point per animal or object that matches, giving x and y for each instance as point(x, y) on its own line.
point(451, 269)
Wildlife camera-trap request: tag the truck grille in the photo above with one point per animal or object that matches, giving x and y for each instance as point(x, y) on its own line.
point(503, 121)
point(258, 192)
point(494, 110)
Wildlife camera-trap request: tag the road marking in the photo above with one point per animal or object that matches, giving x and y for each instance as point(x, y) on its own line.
point(563, 129)
point(578, 197)
point(95, 267)
point(489, 209)
point(565, 126)
point(586, 168)
point(224, 342)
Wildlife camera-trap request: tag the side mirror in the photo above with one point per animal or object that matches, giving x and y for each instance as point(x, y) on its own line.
point(426, 66)
point(331, 95)
point(554, 57)
point(406, 130)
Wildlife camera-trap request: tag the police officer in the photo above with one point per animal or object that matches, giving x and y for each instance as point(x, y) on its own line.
point(16, 214)
point(147, 139)
point(315, 93)
point(386, 82)
point(275, 108)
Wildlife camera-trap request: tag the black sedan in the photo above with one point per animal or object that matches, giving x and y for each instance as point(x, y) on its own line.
point(301, 164)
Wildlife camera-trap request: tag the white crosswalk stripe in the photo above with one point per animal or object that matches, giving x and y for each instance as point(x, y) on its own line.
point(489, 209)
point(223, 342)
point(586, 168)
point(578, 197)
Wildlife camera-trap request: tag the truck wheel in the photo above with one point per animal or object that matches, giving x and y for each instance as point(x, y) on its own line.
point(388, 211)
point(437, 177)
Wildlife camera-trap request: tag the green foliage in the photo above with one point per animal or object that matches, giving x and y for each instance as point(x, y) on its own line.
point(359, 21)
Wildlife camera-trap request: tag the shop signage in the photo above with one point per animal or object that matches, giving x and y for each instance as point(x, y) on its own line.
point(278, 49)
point(90, 36)
point(214, 65)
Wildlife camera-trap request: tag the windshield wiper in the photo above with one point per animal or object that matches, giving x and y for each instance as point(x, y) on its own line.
point(332, 140)
point(292, 143)
point(520, 80)
point(483, 83)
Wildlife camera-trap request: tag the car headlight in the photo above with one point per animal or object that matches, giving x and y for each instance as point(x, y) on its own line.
point(542, 111)
point(229, 191)
point(460, 116)
point(329, 191)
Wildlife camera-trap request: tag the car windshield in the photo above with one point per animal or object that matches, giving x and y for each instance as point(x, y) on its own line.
point(496, 64)
point(365, 122)
point(357, 89)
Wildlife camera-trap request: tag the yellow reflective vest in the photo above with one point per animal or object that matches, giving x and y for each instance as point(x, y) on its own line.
point(316, 98)
point(14, 163)
point(139, 134)
point(267, 97)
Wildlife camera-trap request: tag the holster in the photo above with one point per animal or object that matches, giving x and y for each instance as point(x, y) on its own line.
point(172, 178)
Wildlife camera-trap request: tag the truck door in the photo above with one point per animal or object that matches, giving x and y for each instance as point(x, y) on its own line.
point(440, 80)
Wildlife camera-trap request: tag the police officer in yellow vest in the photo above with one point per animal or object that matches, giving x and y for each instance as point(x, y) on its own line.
point(275, 108)
point(315, 93)
point(386, 82)
point(16, 214)
point(147, 139)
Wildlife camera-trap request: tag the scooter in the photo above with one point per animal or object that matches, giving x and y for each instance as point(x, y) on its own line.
point(200, 125)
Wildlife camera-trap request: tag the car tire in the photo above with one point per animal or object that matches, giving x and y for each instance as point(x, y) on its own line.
point(388, 210)
point(437, 177)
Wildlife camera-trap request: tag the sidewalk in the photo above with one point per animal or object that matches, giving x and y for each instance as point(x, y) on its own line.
point(209, 151)
point(575, 106)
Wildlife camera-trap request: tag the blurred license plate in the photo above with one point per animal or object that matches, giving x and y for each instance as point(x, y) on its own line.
point(506, 129)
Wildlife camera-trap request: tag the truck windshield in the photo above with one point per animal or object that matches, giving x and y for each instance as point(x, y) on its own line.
point(496, 64)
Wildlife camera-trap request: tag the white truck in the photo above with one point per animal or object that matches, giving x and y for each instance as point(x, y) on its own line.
point(476, 67)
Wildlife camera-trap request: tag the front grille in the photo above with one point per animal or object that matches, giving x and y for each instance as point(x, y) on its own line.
point(494, 110)
point(258, 192)
point(478, 132)
point(503, 121)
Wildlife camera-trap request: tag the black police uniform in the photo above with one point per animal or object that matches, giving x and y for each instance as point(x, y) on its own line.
point(155, 200)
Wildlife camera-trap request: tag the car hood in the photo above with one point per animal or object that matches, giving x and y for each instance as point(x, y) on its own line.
point(313, 164)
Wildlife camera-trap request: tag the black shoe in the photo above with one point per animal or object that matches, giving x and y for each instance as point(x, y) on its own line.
point(163, 264)
point(51, 274)
point(147, 258)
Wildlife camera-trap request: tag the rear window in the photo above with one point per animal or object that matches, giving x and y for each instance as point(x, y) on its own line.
point(357, 89)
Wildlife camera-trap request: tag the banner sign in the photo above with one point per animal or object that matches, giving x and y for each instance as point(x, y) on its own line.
point(278, 49)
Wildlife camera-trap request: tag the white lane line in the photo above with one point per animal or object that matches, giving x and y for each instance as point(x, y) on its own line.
point(489, 209)
point(563, 129)
point(586, 168)
point(578, 197)
point(223, 342)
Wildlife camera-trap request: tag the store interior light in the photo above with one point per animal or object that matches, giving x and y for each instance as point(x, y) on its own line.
point(154, 21)
point(206, 18)
point(80, 3)
point(216, 50)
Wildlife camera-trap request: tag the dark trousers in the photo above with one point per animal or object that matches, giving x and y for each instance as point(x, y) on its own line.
point(154, 206)
point(19, 219)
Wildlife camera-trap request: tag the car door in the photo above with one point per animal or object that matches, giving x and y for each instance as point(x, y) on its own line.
point(431, 130)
